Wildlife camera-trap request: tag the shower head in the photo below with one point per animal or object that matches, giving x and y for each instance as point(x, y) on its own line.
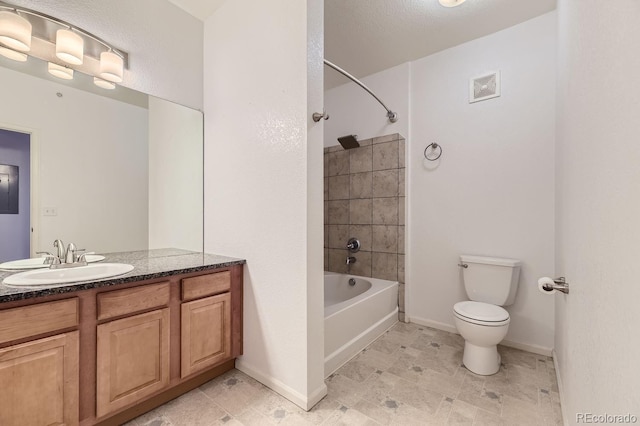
point(349, 141)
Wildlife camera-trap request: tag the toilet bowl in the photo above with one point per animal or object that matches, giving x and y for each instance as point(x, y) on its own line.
point(483, 326)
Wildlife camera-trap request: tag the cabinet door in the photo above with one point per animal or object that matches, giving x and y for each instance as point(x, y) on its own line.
point(205, 333)
point(132, 359)
point(39, 382)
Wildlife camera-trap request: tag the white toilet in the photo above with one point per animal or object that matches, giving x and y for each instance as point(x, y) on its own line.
point(490, 282)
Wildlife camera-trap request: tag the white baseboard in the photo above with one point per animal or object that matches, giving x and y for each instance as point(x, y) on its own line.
point(306, 402)
point(433, 324)
point(565, 417)
point(540, 350)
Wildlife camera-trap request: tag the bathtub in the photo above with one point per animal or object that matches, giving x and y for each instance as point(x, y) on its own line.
point(354, 316)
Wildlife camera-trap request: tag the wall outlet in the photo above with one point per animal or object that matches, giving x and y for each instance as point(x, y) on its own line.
point(50, 211)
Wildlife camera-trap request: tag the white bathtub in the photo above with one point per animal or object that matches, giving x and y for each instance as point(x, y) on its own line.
point(354, 316)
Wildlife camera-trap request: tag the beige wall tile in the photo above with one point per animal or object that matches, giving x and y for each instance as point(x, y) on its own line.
point(361, 185)
point(385, 211)
point(326, 188)
point(360, 159)
point(326, 236)
point(401, 268)
point(326, 212)
point(338, 236)
point(386, 138)
point(335, 148)
point(339, 163)
point(401, 182)
point(385, 156)
point(338, 212)
point(362, 267)
point(363, 234)
point(384, 266)
point(400, 241)
point(401, 153)
point(401, 297)
point(360, 211)
point(385, 239)
point(326, 162)
point(401, 210)
point(366, 142)
point(385, 183)
point(339, 187)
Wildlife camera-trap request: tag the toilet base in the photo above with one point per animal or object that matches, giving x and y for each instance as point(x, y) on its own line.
point(482, 360)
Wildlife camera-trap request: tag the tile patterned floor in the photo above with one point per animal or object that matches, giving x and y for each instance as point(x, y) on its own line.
point(412, 375)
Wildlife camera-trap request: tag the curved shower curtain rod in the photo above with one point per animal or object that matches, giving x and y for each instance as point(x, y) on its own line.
point(393, 116)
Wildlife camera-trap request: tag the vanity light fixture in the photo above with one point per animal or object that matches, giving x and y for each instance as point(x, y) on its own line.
point(451, 3)
point(104, 83)
point(13, 54)
point(111, 67)
point(15, 31)
point(58, 41)
point(59, 71)
point(69, 47)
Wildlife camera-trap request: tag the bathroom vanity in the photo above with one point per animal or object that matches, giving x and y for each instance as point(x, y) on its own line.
point(107, 351)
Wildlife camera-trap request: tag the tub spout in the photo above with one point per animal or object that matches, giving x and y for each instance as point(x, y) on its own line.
point(350, 261)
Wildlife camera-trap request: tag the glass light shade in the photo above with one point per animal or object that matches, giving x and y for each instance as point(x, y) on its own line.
point(60, 71)
point(451, 3)
point(15, 31)
point(103, 83)
point(69, 47)
point(111, 67)
point(12, 54)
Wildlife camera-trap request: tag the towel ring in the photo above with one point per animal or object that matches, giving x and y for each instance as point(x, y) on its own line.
point(430, 155)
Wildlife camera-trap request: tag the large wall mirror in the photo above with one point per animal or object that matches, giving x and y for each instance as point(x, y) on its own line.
point(107, 170)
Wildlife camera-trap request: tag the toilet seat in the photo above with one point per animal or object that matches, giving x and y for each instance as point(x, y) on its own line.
point(481, 313)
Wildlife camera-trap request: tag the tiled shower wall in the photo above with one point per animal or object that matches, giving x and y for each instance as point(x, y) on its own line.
point(364, 197)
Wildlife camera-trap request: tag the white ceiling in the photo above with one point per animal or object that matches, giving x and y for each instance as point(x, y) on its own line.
point(367, 36)
point(201, 9)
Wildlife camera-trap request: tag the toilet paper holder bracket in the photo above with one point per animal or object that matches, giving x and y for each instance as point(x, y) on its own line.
point(559, 284)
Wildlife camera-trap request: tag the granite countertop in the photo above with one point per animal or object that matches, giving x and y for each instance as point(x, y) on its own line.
point(148, 264)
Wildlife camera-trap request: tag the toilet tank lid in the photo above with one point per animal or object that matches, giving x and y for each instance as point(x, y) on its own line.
point(500, 261)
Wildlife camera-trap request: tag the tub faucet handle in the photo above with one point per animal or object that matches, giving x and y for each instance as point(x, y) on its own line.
point(353, 245)
point(350, 260)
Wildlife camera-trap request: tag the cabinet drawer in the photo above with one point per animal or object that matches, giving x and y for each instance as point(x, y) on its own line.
point(131, 300)
point(205, 285)
point(32, 320)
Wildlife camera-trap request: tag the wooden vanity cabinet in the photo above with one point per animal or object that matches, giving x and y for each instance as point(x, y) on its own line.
point(39, 378)
point(106, 355)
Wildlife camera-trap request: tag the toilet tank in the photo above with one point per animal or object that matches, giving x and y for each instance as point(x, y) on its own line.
point(491, 279)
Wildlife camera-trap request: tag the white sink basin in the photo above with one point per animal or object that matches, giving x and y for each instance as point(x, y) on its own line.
point(38, 262)
point(50, 277)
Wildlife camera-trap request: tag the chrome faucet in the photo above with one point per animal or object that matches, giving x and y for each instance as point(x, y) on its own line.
point(70, 255)
point(68, 258)
point(61, 251)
